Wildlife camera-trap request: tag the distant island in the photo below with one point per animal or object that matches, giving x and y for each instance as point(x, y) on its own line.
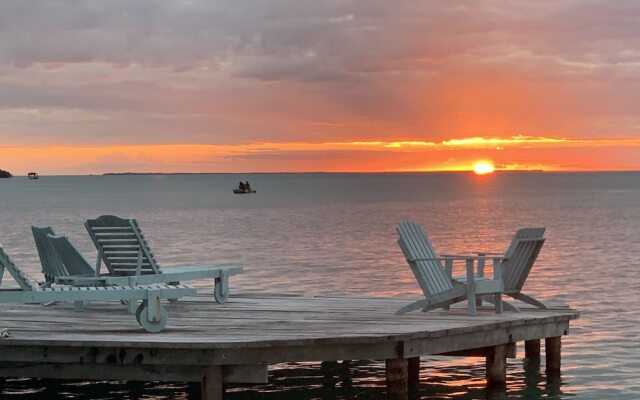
point(153, 173)
point(501, 171)
point(5, 174)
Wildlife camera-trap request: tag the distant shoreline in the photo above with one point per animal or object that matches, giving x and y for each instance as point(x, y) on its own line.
point(536, 171)
point(498, 172)
point(334, 173)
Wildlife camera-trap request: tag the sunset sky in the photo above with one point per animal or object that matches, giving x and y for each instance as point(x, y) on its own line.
point(237, 86)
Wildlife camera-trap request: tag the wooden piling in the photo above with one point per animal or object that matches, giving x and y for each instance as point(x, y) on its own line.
point(552, 352)
point(329, 370)
point(532, 354)
point(413, 374)
point(329, 367)
point(397, 378)
point(532, 349)
point(212, 388)
point(497, 366)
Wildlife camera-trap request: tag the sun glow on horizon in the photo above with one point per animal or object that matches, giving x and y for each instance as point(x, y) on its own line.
point(483, 168)
point(516, 153)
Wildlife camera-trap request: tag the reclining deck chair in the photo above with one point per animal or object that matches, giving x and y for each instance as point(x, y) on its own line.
point(53, 268)
point(150, 314)
point(516, 264)
point(60, 259)
point(435, 282)
point(125, 252)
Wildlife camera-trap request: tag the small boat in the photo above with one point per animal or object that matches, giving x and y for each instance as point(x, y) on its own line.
point(243, 191)
point(33, 175)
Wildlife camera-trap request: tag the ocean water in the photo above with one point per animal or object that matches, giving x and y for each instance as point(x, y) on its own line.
point(334, 234)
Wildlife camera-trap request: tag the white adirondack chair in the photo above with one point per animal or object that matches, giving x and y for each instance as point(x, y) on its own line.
point(516, 264)
point(150, 314)
point(435, 281)
point(125, 252)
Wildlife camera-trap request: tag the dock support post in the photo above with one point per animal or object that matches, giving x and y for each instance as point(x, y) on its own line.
point(532, 349)
point(345, 374)
point(397, 374)
point(552, 351)
point(413, 374)
point(497, 366)
point(212, 383)
point(329, 370)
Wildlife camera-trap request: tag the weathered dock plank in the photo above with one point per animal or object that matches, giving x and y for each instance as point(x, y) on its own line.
point(234, 342)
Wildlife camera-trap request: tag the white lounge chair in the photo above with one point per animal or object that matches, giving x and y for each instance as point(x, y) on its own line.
point(435, 281)
point(150, 314)
point(125, 252)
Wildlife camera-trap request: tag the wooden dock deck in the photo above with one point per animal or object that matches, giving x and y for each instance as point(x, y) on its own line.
point(234, 342)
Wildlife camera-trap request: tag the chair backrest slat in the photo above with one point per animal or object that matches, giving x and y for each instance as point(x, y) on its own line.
point(415, 246)
point(51, 264)
point(73, 262)
point(22, 279)
point(148, 256)
point(520, 257)
point(119, 241)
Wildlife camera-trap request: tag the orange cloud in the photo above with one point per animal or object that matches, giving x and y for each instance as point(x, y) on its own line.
point(538, 141)
point(510, 153)
point(514, 140)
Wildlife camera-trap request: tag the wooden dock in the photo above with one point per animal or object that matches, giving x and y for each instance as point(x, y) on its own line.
point(235, 342)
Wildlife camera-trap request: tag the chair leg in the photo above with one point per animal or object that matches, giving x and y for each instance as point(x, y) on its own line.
point(444, 305)
point(221, 288)
point(498, 300)
point(473, 311)
point(133, 306)
point(506, 306)
point(416, 305)
point(471, 289)
point(530, 300)
point(426, 305)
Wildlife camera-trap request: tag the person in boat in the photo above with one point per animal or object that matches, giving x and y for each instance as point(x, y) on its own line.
point(247, 187)
point(241, 186)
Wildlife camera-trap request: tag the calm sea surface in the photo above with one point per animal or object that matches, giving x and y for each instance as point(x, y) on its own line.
point(334, 234)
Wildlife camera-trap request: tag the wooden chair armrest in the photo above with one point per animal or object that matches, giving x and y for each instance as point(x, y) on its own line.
point(469, 257)
point(488, 253)
point(496, 261)
point(483, 253)
point(449, 257)
point(427, 259)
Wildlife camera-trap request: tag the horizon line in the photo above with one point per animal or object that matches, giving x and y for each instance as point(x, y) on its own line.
point(538, 171)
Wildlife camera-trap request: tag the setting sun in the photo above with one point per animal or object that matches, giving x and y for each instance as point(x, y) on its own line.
point(483, 168)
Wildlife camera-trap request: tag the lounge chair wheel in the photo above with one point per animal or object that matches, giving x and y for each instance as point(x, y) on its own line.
point(221, 291)
point(142, 316)
point(142, 305)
